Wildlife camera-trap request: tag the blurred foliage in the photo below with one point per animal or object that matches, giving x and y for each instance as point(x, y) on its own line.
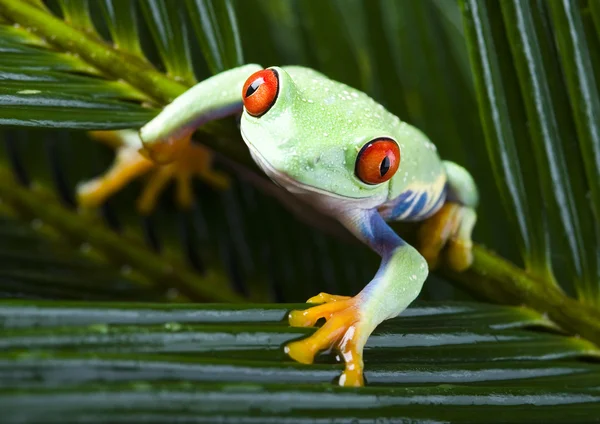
point(508, 89)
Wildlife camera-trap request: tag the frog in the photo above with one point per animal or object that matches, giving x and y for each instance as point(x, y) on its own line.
point(335, 148)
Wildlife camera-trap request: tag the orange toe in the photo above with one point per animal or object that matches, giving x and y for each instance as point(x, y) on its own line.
point(309, 317)
point(448, 234)
point(460, 254)
point(300, 351)
point(352, 378)
point(435, 232)
point(326, 298)
point(127, 166)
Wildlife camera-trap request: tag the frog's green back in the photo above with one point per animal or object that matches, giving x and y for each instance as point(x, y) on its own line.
point(354, 117)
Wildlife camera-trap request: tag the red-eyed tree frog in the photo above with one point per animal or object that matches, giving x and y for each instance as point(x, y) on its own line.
point(336, 148)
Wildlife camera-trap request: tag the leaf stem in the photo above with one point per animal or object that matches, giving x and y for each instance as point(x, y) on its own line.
point(93, 51)
point(113, 63)
point(35, 204)
point(495, 279)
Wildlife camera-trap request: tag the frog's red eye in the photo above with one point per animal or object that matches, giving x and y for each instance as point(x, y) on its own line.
point(260, 91)
point(377, 161)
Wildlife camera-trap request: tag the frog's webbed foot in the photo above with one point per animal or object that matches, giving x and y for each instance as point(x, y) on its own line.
point(167, 151)
point(195, 160)
point(448, 233)
point(191, 160)
point(345, 330)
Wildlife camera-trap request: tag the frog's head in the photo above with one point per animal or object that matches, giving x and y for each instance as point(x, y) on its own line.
point(320, 138)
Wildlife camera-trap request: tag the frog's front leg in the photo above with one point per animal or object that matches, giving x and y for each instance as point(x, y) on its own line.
point(219, 96)
point(166, 139)
point(350, 321)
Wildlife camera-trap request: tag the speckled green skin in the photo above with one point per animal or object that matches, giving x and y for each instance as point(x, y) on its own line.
point(317, 126)
point(308, 143)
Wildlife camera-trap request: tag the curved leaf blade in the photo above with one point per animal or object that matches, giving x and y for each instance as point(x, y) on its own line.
point(53, 108)
point(210, 403)
point(77, 14)
point(122, 22)
point(519, 198)
point(217, 33)
point(554, 176)
point(583, 90)
point(167, 24)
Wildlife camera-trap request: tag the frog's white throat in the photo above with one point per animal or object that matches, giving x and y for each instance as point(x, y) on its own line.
point(323, 200)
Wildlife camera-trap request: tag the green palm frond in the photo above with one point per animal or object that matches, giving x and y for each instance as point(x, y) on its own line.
point(107, 247)
point(517, 183)
point(55, 96)
point(508, 89)
point(533, 88)
point(165, 362)
point(32, 266)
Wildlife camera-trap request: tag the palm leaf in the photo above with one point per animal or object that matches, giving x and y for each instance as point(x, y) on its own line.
point(516, 186)
point(154, 360)
point(34, 267)
point(120, 250)
point(546, 142)
point(46, 101)
point(67, 66)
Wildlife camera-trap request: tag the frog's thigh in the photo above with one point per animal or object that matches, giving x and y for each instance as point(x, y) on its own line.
point(452, 225)
point(449, 228)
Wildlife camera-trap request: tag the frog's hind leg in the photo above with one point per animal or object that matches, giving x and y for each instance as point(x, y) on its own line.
point(450, 229)
point(448, 232)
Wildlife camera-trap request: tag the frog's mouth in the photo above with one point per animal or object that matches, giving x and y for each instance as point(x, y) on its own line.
point(284, 180)
point(318, 197)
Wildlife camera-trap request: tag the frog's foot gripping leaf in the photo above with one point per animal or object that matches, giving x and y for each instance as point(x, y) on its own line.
point(192, 160)
point(449, 230)
point(346, 330)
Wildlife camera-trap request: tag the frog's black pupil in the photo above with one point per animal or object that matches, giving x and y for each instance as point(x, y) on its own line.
point(254, 86)
point(385, 166)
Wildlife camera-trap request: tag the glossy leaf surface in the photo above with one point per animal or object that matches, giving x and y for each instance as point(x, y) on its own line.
point(467, 363)
point(123, 362)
